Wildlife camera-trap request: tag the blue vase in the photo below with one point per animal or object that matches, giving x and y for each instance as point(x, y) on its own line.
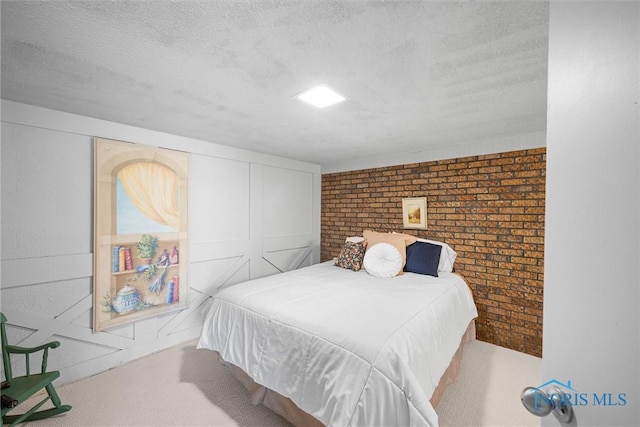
point(127, 299)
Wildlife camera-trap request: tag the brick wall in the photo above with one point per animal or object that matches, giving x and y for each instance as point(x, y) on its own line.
point(489, 209)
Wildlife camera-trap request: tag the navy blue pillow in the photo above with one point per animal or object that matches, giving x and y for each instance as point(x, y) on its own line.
point(423, 258)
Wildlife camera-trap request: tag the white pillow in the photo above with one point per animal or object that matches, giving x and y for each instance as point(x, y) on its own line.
point(354, 239)
point(447, 255)
point(383, 260)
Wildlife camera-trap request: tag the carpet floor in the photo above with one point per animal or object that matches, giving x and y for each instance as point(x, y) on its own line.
point(183, 386)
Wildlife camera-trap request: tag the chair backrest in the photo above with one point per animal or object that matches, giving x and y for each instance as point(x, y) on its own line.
point(6, 362)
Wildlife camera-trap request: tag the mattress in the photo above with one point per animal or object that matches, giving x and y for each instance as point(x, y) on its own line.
point(345, 347)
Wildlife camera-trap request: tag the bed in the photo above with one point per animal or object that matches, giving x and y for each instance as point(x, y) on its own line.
point(333, 346)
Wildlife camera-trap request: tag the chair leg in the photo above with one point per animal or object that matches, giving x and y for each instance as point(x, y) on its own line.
point(14, 420)
point(53, 395)
point(33, 414)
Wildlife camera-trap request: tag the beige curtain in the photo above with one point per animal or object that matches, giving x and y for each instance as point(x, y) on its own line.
point(153, 188)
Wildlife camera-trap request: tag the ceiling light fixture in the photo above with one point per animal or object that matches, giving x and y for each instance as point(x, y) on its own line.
point(321, 96)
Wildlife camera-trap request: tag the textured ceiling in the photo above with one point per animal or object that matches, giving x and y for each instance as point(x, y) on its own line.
point(416, 74)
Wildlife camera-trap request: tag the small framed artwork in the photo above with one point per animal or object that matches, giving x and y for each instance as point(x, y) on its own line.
point(414, 212)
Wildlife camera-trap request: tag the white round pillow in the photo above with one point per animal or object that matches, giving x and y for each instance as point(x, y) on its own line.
point(382, 260)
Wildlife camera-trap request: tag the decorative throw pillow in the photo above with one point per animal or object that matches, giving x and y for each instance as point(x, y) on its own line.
point(423, 258)
point(383, 260)
point(399, 240)
point(447, 255)
point(351, 256)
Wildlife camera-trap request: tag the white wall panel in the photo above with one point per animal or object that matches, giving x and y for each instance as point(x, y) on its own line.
point(288, 226)
point(287, 195)
point(219, 206)
point(46, 298)
point(47, 182)
point(213, 275)
point(47, 233)
point(25, 271)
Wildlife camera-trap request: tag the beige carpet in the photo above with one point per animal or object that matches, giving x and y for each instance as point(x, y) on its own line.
point(183, 386)
point(487, 392)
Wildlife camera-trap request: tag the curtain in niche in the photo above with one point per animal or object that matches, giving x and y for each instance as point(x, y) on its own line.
point(153, 188)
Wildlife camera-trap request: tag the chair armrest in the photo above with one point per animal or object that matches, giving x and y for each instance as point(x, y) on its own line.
point(27, 350)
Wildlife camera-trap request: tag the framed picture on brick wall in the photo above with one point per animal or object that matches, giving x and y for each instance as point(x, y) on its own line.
point(414, 212)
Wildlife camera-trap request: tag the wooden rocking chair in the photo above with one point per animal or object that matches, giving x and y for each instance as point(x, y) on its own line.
point(16, 390)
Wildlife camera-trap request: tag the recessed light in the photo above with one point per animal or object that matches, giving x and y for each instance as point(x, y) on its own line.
point(321, 96)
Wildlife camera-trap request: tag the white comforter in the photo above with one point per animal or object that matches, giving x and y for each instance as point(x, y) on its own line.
point(348, 348)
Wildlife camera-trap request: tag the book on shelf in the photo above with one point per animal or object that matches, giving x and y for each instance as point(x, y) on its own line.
point(128, 261)
point(170, 292)
point(116, 259)
point(176, 289)
point(122, 259)
point(121, 265)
